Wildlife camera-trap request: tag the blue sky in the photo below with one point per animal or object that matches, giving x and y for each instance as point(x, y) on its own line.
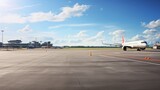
point(80, 22)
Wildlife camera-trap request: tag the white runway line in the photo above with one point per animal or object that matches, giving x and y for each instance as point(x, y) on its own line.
point(129, 59)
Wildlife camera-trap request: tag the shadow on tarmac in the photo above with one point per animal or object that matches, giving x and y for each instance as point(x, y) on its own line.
point(153, 50)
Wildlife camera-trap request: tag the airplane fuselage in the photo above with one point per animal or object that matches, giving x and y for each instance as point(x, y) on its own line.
point(139, 45)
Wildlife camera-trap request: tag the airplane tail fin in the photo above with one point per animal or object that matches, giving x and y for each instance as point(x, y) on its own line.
point(123, 40)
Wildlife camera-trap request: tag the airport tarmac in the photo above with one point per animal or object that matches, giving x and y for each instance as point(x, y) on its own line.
point(75, 69)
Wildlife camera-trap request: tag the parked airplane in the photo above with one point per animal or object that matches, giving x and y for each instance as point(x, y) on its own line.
point(156, 45)
point(139, 45)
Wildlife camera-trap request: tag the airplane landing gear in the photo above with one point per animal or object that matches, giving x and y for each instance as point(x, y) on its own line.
point(138, 49)
point(124, 48)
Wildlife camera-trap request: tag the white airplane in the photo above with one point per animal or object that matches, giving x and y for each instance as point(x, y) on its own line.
point(156, 45)
point(139, 45)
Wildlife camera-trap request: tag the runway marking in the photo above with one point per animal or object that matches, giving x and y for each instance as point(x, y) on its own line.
point(132, 59)
point(145, 58)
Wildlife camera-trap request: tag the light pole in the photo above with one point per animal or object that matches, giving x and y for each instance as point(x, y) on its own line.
point(2, 35)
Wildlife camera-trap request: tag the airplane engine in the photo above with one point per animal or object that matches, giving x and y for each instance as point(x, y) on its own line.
point(124, 48)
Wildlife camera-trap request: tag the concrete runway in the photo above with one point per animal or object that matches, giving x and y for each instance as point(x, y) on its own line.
point(79, 70)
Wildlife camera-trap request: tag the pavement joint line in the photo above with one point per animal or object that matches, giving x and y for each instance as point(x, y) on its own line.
point(145, 58)
point(132, 59)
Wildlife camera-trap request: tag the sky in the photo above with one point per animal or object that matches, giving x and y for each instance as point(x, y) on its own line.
point(80, 22)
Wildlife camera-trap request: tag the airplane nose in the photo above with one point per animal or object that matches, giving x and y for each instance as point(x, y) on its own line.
point(146, 45)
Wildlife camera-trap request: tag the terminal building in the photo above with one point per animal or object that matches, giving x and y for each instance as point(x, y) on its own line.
point(1, 44)
point(47, 45)
point(15, 44)
point(19, 44)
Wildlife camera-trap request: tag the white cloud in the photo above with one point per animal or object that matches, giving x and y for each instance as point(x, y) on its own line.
point(57, 26)
point(98, 37)
point(138, 37)
point(40, 16)
point(67, 12)
point(60, 42)
point(150, 31)
point(12, 18)
point(24, 7)
point(67, 41)
point(38, 36)
point(80, 38)
point(46, 38)
point(158, 36)
point(25, 29)
point(77, 39)
point(153, 24)
point(5, 4)
point(72, 25)
point(12, 6)
point(81, 25)
point(95, 40)
point(75, 42)
point(116, 35)
point(150, 35)
point(81, 34)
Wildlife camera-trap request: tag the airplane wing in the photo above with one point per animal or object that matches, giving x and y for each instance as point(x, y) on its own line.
point(112, 44)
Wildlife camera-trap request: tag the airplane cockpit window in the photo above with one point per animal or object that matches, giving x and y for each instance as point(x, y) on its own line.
point(144, 42)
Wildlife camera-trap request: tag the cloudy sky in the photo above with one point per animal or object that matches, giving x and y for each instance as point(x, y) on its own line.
point(80, 22)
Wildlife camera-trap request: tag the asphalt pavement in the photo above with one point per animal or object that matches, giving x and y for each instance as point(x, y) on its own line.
point(65, 69)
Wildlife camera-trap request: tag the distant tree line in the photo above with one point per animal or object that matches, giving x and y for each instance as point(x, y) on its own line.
point(89, 47)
